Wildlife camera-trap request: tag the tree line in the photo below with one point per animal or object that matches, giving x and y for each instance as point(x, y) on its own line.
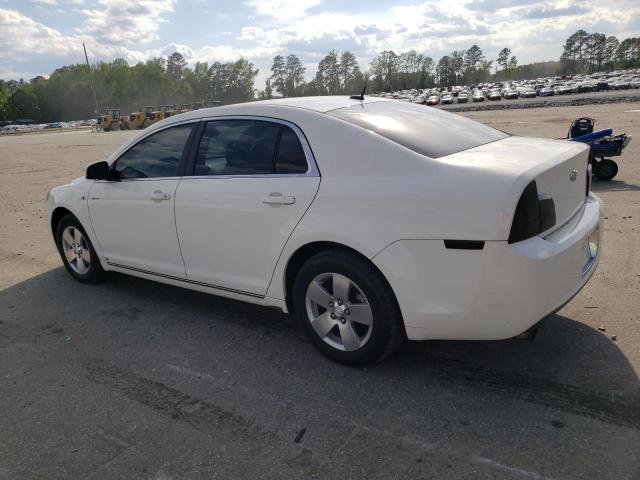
point(593, 52)
point(66, 94)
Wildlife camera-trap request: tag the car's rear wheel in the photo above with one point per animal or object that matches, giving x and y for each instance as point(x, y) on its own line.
point(347, 308)
point(77, 252)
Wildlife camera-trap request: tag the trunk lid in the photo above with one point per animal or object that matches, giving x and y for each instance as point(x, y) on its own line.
point(559, 168)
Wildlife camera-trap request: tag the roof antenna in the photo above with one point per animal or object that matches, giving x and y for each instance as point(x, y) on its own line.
point(359, 97)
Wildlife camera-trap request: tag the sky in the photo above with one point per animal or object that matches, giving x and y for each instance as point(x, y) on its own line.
point(38, 36)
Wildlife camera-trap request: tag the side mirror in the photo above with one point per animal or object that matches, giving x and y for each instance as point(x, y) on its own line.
point(98, 171)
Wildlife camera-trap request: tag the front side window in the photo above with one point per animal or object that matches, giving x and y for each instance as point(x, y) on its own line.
point(249, 147)
point(155, 156)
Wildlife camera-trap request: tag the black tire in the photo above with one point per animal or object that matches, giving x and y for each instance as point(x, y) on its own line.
point(387, 328)
point(115, 126)
point(95, 272)
point(606, 169)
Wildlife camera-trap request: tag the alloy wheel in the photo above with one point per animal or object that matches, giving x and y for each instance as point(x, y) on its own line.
point(339, 312)
point(76, 250)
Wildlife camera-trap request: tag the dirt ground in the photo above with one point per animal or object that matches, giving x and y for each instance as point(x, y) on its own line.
point(132, 379)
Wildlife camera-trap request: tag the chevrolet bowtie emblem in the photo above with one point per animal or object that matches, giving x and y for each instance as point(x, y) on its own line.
point(573, 175)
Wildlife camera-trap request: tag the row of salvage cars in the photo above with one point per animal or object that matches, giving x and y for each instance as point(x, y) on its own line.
point(511, 90)
point(475, 95)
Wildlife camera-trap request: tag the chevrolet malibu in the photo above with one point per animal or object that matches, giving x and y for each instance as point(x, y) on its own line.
point(372, 221)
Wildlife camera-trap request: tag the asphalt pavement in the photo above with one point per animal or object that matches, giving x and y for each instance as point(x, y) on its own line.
point(133, 379)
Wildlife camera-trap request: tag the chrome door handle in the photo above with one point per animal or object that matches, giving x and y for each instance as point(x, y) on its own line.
point(277, 198)
point(160, 195)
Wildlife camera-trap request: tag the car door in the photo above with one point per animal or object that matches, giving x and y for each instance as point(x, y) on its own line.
point(133, 216)
point(253, 181)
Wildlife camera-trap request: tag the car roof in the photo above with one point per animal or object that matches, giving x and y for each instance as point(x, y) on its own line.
point(317, 104)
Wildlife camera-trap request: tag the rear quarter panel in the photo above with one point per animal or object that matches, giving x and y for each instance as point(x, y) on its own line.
point(374, 192)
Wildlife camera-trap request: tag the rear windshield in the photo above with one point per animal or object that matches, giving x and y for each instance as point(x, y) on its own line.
point(426, 130)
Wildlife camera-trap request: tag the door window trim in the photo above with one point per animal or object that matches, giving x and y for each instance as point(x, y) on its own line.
point(182, 165)
point(312, 166)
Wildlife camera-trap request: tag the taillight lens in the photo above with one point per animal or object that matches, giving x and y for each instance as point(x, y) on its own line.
point(534, 214)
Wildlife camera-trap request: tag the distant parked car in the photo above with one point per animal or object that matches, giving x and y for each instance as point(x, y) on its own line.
point(546, 92)
point(463, 97)
point(621, 84)
point(584, 87)
point(528, 94)
point(433, 100)
point(477, 96)
point(510, 94)
point(495, 95)
point(446, 99)
point(562, 89)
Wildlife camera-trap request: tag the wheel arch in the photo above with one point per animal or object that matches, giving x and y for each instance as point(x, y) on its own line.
point(305, 252)
point(56, 216)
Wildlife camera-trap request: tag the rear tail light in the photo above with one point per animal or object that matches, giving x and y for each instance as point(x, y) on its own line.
point(534, 214)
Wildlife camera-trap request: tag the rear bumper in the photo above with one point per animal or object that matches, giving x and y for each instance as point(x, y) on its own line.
point(494, 293)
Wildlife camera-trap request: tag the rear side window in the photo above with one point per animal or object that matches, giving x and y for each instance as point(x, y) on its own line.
point(429, 131)
point(290, 157)
point(155, 156)
point(249, 147)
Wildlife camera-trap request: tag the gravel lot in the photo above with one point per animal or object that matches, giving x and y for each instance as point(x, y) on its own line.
point(133, 379)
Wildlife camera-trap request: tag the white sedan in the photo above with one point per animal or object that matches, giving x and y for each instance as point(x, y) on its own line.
point(370, 220)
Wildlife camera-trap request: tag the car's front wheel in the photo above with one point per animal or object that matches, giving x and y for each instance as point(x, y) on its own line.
point(77, 252)
point(346, 308)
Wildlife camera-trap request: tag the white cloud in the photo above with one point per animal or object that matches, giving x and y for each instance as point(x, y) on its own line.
point(259, 29)
point(282, 9)
point(23, 37)
point(126, 22)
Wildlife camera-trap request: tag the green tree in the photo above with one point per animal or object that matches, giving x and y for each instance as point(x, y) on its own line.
point(445, 72)
point(628, 53)
point(384, 69)
point(595, 51)
point(279, 75)
point(175, 66)
point(328, 74)
point(294, 74)
point(503, 61)
point(513, 64)
point(457, 64)
point(348, 69)
point(611, 45)
point(473, 61)
point(23, 103)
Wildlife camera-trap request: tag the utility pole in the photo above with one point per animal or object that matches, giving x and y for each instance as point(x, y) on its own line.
point(93, 88)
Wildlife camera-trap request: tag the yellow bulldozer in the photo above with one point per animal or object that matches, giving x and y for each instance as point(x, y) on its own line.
point(164, 111)
point(111, 120)
point(141, 119)
point(169, 111)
